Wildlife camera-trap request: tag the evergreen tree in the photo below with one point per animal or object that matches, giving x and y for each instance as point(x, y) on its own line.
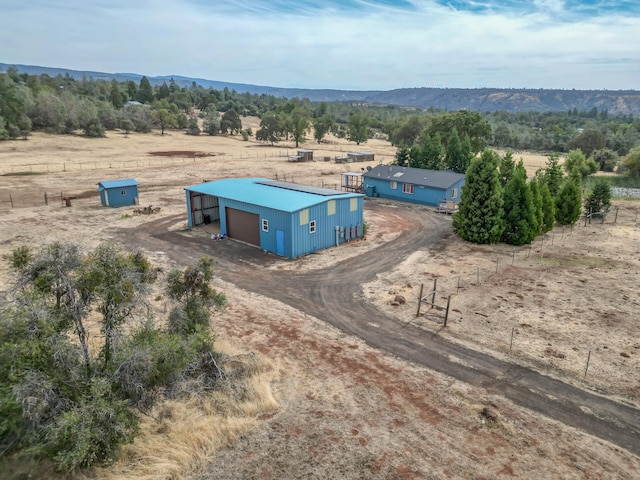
point(552, 174)
point(548, 209)
point(536, 197)
point(599, 201)
point(507, 167)
point(480, 215)
point(145, 92)
point(521, 224)
point(433, 152)
point(402, 156)
point(455, 157)
point(569, 203)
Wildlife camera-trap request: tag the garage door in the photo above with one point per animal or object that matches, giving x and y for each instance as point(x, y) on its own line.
point(243, 226)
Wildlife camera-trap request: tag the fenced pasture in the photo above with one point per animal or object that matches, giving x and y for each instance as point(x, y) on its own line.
point(567, 303)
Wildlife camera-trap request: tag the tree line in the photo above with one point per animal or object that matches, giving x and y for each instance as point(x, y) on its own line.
point(498, 204)
point(426, 138)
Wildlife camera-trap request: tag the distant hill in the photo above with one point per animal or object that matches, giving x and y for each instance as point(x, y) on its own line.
point(478, 99)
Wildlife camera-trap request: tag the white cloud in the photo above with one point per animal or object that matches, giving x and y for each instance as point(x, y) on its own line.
point(374, 48)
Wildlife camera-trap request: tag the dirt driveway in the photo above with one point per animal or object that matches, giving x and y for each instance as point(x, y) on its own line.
point(335, 296)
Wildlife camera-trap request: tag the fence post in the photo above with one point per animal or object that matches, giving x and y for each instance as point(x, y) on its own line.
point(511, 342)
point(46, 200)
point(11, 200)
point(616, 218)
point(433, 295)
point(497, 259)
point(478, 275)
point(446, 314)
point(587, 367)
point(420, 300)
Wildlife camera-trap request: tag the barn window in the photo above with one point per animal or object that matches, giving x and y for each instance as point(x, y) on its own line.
point(312, 226)
point(393, 185)
point(407, 188)
point(123, 193)
point(265, 225)
point(304, 216)
point(353, 206)
point(331, 207)
point(454, 193)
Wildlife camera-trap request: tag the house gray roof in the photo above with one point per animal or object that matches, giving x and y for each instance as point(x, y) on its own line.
point(442, 179)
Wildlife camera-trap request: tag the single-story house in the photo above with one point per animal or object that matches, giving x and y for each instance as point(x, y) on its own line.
point(284, 218)
point(118, 193)
point(417, 185)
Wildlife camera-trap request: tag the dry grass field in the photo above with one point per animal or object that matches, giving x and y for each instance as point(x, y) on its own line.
point(327, 405)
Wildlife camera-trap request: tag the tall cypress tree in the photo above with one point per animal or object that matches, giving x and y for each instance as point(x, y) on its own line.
point(433, 152)
point(521, 224)
point(569, 203)
point(145, 91)
point(536, 197)
point(548, 209)
point(480, 216)
point(455, 158)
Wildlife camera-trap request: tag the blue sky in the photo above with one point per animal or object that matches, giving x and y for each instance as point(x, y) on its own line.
point(342, 44)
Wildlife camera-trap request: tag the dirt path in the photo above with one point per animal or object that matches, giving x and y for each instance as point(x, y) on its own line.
point(334, 295)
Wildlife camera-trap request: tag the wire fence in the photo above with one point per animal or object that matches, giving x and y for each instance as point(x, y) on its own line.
point(162, 161)
point(492, 268)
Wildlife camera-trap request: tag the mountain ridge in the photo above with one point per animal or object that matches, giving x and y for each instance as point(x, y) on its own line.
point(483, 99)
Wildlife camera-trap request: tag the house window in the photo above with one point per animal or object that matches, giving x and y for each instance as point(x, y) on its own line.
point(407, 188)
point(331, 207)
point(304, 216)
point(123, 193)
point(393, 185)
point(312, 226)
point(353, 205)
point(454, 193)
point(265, 225)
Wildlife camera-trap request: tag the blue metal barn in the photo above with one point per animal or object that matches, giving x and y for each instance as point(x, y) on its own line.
point(284, 218)
point(118, 193)
point(417, 185)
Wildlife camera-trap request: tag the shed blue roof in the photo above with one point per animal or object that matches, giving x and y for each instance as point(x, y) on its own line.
point(127, 182)
point(442, 179)
point(283, 196)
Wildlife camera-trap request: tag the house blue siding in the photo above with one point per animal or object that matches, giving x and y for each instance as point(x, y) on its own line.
point(118, 193)
point(421, 194)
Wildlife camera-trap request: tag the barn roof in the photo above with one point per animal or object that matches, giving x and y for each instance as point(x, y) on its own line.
point(126, 182)
point(284, 196)
point(441, 179)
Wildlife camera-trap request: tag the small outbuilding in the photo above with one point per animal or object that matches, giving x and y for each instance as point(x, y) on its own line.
point(118, 193)
point(284, 218)
point(417, 185)
point(302, 156)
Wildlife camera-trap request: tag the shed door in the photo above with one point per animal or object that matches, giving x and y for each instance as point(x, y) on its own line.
point(280, 242)
point(243, 226)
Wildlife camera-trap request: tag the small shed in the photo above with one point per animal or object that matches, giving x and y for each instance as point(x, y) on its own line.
point(302, 156)
point(360, 156)
point(284, 218)
point(118, 193)
point(417, 185)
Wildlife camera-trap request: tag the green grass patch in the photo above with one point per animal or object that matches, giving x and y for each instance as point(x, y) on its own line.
point(22, 174)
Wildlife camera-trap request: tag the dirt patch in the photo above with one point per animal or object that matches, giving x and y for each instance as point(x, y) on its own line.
point(183, 154)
